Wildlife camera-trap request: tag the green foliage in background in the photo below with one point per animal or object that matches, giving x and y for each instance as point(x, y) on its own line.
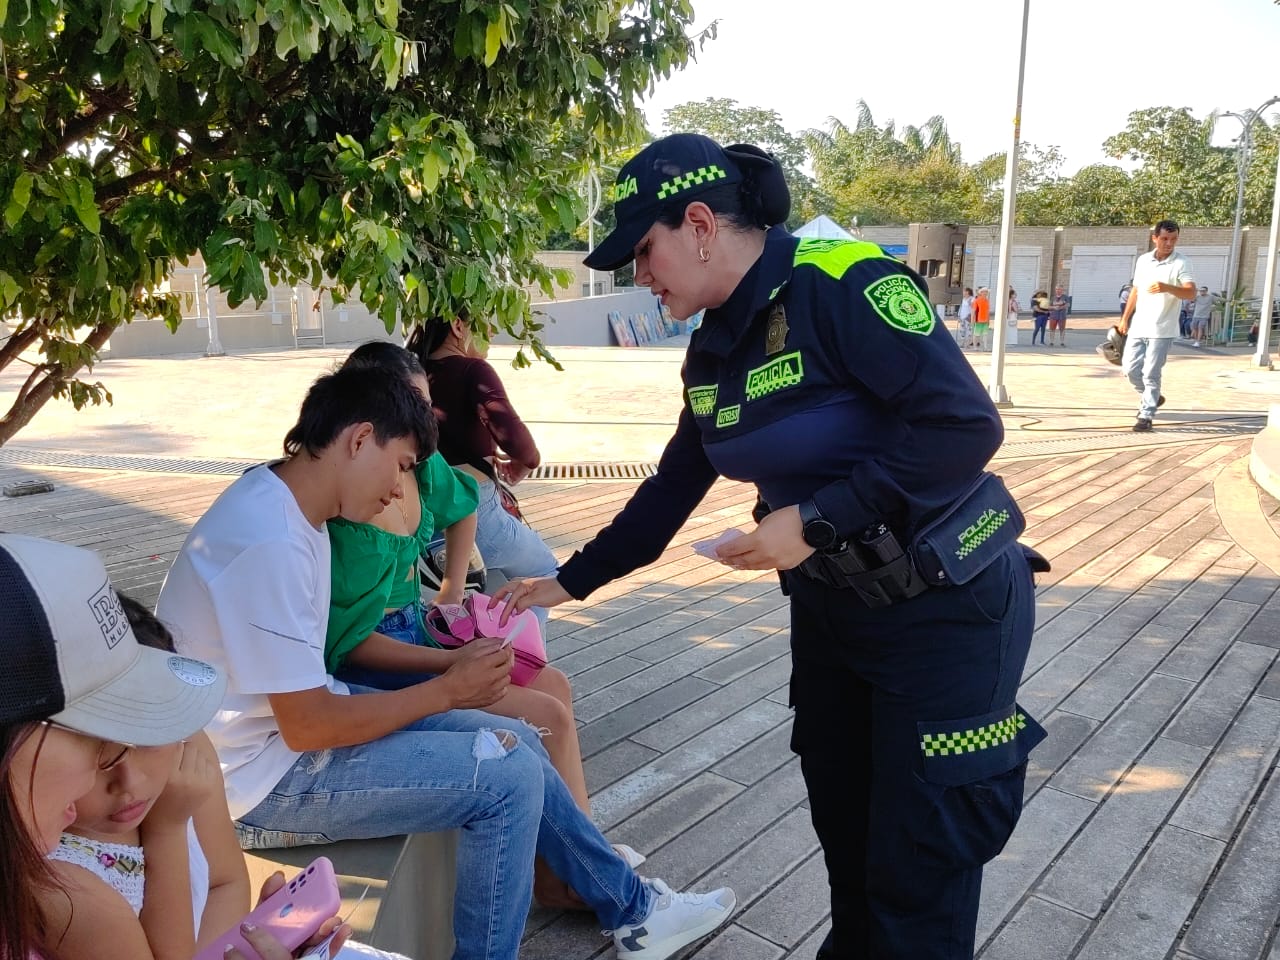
point(415, 156)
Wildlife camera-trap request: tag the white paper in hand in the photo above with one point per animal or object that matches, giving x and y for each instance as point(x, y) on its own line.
point(707, 548)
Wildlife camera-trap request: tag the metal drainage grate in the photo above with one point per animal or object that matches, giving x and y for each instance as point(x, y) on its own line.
point(594, 471)
point(235, 467)
point(91, 461)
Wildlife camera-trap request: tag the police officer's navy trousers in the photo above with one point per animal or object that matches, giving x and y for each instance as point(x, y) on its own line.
point(913, 751)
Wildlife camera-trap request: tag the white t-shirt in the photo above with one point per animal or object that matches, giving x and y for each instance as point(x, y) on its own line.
point(1155, 315)
point(249, 592)
point(1204, 306)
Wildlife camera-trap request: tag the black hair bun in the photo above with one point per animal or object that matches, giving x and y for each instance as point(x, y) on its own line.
point(764, 187)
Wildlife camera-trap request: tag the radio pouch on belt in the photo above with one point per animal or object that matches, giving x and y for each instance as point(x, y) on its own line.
point(976, 529)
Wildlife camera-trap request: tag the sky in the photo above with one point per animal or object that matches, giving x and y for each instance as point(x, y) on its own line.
point(1089, 63)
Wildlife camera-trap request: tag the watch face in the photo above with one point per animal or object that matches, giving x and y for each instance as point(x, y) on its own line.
point(819, 534)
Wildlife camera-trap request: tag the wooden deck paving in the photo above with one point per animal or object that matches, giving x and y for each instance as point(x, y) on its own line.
point(1152, 827)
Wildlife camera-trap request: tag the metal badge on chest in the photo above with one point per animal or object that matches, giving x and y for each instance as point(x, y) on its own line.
point(775, 337)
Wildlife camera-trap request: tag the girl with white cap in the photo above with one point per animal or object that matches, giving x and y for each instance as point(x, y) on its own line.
point(77, 694)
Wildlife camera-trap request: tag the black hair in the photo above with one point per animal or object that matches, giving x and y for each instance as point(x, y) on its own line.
point(1168, 226)
point(147, 628)
point(384, 355)
point(353, 395)
point(428, 338)
point(759, 201)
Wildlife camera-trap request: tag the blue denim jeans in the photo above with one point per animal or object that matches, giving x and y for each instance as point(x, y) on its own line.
point(510, 546)
point(450, 771)
point(1142, 363)
point(403, 625)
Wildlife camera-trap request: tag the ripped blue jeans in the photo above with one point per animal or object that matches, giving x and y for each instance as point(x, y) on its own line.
point(448, 771)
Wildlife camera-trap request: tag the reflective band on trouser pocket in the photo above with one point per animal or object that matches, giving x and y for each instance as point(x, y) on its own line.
point(967, 741)
point(973, 748)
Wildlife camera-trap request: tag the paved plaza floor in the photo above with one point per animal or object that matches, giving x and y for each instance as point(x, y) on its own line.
point(1152, 824)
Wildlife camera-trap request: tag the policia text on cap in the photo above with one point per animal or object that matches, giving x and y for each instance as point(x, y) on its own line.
point(820, 374)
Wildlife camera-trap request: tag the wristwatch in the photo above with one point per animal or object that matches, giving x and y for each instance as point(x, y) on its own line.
point(819, 532)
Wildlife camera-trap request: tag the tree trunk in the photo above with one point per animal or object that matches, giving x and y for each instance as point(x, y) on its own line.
point(28, 405)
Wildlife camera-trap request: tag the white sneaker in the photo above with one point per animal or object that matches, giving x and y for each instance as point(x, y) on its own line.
point(676, 920)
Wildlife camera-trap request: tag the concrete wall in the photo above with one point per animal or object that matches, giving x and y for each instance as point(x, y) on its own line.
point(571, 260)
point(1056, 245)
point(247, 327)
point(585, 322)
point(579, 322)
point(573, 320)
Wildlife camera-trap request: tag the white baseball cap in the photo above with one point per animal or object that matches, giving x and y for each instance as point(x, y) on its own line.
point(70, 656)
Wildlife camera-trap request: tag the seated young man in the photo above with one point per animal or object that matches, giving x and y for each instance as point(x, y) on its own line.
point(306, 762)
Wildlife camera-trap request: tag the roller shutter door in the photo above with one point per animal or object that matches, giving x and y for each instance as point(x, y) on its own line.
point(1208, 265)
point(1097, 274)
point(1024, 272)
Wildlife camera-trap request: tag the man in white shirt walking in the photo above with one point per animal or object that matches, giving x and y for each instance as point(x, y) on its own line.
point(1161, 279)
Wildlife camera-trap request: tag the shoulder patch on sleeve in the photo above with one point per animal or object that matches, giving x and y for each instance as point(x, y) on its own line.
point(900, 304)
point(835, 257)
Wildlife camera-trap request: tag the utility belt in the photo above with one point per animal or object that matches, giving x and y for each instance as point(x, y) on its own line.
point(949, 551)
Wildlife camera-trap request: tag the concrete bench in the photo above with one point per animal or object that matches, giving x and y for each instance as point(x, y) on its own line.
point(1264, 457)
point(409, 907)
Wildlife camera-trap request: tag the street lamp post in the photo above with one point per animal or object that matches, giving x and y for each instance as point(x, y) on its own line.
point(996, 389)
point(592, 189)
point(1242, 168)
point(1263, 357)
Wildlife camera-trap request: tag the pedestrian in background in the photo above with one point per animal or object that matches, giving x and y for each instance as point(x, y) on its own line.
point(981, 318)
point(964, 331)
point(1058, 310)
point(1162, 278)
point(1039, 315)
point(1201, 313)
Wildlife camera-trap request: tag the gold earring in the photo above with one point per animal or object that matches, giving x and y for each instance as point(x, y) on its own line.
point(703, 255)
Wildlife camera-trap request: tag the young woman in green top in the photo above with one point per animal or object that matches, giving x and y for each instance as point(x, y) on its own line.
point(375, 635)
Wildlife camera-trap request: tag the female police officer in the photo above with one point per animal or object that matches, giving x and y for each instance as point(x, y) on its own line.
point(821, 375)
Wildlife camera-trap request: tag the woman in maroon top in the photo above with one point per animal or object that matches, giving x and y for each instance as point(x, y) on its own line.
point(481, 433)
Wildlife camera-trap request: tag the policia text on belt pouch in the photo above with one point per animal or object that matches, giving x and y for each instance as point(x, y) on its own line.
point(821, 375)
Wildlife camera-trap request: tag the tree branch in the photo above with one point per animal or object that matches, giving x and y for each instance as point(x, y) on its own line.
point(17, 343)
point(31, 398)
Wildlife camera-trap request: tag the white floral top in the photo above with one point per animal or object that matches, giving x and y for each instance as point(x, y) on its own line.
point(121, 865)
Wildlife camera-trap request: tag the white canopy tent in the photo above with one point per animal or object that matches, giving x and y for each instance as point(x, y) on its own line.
point(824, 228)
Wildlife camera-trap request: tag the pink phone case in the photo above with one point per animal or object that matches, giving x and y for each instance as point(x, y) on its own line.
point(292, 914)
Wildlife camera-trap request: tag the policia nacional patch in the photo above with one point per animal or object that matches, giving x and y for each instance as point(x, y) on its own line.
point(901, 305)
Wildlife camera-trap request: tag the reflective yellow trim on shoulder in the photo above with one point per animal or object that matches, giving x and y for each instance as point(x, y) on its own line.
point(835, 257)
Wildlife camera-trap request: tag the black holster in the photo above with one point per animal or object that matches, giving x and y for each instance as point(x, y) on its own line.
point(878, 586)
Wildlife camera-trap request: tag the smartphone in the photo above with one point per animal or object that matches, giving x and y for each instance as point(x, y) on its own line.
point(292, 914)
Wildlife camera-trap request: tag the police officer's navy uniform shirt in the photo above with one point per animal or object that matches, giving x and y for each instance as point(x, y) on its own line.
point(866, 405)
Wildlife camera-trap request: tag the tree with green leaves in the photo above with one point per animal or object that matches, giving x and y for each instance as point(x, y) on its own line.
point(414, 156)
point(879, 174)
point(1181, 174)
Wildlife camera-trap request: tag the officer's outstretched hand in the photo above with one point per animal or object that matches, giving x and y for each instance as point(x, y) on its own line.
point(521, 594)
point(777, 544)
